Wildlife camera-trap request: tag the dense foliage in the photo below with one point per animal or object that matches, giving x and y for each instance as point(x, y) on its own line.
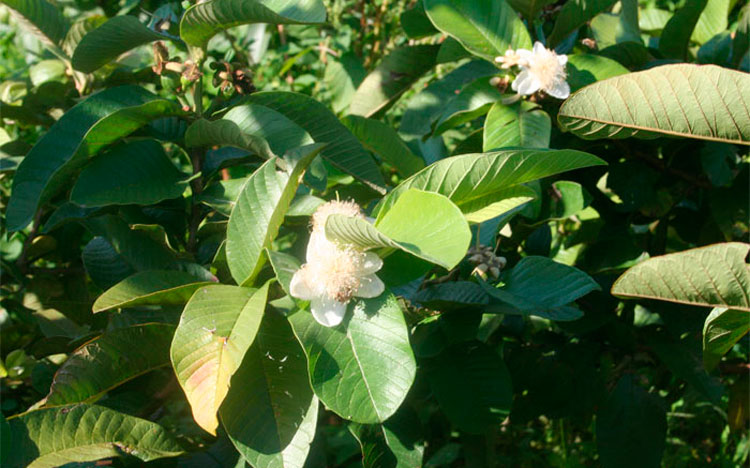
point(375, 233)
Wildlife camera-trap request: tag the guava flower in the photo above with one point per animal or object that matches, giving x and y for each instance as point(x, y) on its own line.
point(541, 69)
point(335, 273)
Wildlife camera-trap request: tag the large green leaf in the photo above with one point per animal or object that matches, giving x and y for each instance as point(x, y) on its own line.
point(79, 134)
point(631, 427)
point(692, 101)
point(107, 42)
point(675, 38)
point(423, 224)
point(363, 368)
point(610, 29)
point(151, 287)
point(53, 437)
point(712, 21)
point(40, 17)
point(712, 276)
point(540, 286)
point(110, 360)
point(133, 173)
point(486, 28)
point(522, 124)
point(426, 106)
point(258, 214)
point(471, 177)
point(472, 386)
point(573, 15)
point(344, 151)
point(270, 412)
point(225, 132)
point(395, 74)
point(203, 20)
point(79, 29)
point(415, 22)
point(722, 330)
point(381, 139)
point(216, 329)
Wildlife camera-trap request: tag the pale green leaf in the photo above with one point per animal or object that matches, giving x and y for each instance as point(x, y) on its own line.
point(711, 276)
point(722, 330)
point(691, 101)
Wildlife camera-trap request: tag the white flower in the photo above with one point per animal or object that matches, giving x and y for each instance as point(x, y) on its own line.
point(541, 69)
point(510, 59)
point(335, 273)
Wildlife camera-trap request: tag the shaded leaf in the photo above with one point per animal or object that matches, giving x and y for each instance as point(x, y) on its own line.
point(270, 412)
point(79, 134)
point(584, 69)
point(675, 37)
point(381, 139)
point(100, 365)
point(722, 330)
point(151, 287)
point(395, 74)
point(474, 100)
point(522, 124)
point(225, 132)
point(573, 15)
point(40, 17)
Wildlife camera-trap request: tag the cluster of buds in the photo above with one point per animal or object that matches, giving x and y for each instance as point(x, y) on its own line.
point(485, 261)
point(230, 76)
point(176, 75)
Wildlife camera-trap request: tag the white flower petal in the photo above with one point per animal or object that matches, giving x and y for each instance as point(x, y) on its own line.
point(561, 90)
point(370, 286)
point(562, 59)
point(526, 83)
point(328, 312)
point(299, 288)
point(539, 48)
point(372, 264)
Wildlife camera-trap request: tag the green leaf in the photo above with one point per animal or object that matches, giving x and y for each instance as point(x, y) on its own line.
point(281, 133)
point(79, 29)
point(486, 28)
point(284, 266)
point(107, 42)
point(343, 151)
point(258, 214)
point(675, 38)
point(153, 287)
point(342, 77)
point(426, 106)
point(110, 360)
point(134, 173)
point(573, 15)
point(609, 29)
point(222, 195)
point(203, 20)
point(78, 135)
point(381, 139)
point(711, 276)
point(216, 329)
point(103, 264)
point(497, 203)
point(691, 101)
point(631, 427)
point(470, 177)
point(722, 330)
point(52, 437)
point(584, 69)
point(415, 22)
point(270, 412)
point(346, 362)
point(472, 386)
point(424, 224)
point(41, 18)
point(529, 8)
point(452, 294)
point(712, 21)
point(393, 444)
point(225, 132)
point(474, 100)
point(395, 74)
point(540, 286)
point(521, 124)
